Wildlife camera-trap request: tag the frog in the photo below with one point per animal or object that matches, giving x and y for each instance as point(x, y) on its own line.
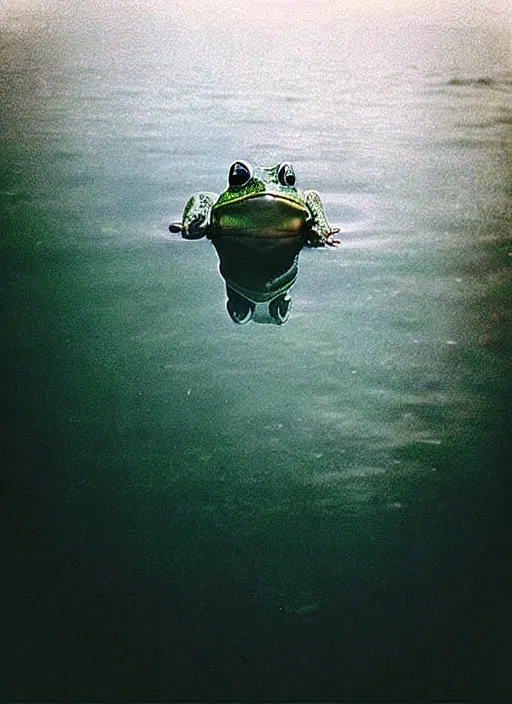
point(258, 225)
point(258, 201)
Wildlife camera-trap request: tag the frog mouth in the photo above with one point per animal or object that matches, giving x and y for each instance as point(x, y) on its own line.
point(260, 214)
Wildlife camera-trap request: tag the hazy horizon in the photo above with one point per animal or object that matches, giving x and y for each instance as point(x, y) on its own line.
point(452, 11)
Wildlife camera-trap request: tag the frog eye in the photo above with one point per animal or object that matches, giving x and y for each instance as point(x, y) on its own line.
point(239, 173)
point(286, 175)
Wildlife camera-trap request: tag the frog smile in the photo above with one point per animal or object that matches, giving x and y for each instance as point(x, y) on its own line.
point(265, 198)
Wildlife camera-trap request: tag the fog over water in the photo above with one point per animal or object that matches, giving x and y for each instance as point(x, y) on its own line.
point(202, 511)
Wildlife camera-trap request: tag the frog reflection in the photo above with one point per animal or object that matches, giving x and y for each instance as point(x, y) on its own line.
point(258, 226)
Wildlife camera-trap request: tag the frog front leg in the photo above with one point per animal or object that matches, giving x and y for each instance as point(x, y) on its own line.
point(319, 232)
point(196, 216)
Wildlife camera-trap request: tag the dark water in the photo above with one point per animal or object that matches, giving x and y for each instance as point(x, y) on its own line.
point(198, 511)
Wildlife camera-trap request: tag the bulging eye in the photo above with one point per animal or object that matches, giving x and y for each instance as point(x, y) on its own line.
point(239, 174)
point(286, 175)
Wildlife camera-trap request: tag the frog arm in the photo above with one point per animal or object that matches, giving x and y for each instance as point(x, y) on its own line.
point(319, 231)
point(196, 216)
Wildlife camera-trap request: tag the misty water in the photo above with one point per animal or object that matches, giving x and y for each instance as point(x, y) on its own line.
point(202, 511)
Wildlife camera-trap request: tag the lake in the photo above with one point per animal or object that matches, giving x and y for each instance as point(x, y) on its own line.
point(200, 511)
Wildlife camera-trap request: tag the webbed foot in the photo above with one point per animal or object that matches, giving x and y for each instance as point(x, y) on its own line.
point(330, 242)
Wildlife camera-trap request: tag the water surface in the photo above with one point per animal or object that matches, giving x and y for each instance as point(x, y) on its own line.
point(199, 511)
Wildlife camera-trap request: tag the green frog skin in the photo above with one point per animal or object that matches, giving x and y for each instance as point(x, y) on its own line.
point(261, 203)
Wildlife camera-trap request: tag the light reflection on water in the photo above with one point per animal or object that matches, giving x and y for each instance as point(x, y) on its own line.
point(301, 494)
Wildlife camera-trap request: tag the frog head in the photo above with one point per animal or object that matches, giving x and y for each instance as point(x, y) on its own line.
point(260, 201)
